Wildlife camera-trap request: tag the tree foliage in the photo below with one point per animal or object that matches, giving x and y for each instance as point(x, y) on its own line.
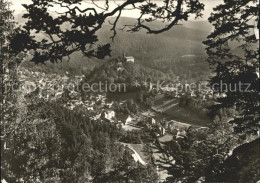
point(74, 27)
point(10, 113)
point(55, 144)
point(126, 171)
point(203, 148)
point(234, 56)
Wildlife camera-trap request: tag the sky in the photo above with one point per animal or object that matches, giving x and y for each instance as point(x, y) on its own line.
point(209, 5)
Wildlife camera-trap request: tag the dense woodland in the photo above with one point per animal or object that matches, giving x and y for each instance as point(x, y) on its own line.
point(69, 147)
point(45, 142)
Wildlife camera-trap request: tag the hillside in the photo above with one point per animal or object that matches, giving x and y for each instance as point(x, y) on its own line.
point(168, 48)
point(180, 40)
point(119, 71)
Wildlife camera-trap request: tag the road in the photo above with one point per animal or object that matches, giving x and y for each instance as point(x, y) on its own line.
point(135, 154)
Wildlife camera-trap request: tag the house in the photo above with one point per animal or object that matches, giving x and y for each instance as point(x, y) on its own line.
point(90, 108)
point(174, 125)
point(109, 115)
point(128, 120)
point(109, 105)
point(162, 131)
point(129, 58)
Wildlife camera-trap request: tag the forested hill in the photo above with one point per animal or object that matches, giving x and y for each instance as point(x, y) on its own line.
point(120, 71)
point(149, 50)
point(181, 40)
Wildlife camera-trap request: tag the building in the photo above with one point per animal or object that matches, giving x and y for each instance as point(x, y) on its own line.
point(109, 105)
point(128, 120)
point(162, 131)
point(109, 115)
point(129, 58)
point(90, 108)
point(174, 125)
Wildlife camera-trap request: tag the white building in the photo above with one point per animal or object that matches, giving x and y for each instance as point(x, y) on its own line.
point(110, 115)
point(129, 58)
point(162, 131)
point(128, 120)
point(109, 105)
point(90, 108)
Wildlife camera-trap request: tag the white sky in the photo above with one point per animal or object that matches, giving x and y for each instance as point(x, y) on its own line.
point(209, 5)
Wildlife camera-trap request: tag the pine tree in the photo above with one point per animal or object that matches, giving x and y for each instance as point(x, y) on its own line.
point(234, 57)
point(9, 98)
point(206, 149)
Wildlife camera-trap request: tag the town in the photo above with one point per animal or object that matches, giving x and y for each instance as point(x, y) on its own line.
point(62, 88)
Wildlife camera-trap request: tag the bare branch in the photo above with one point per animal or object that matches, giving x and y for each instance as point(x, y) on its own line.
point(114, 26)
point(82, 32)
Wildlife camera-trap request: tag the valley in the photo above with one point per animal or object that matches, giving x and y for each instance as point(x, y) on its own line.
point(129, 91)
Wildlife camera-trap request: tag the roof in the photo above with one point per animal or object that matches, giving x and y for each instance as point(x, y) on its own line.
point(130, 57)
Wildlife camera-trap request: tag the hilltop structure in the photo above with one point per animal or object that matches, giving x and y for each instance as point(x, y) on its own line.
point(129, 58)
